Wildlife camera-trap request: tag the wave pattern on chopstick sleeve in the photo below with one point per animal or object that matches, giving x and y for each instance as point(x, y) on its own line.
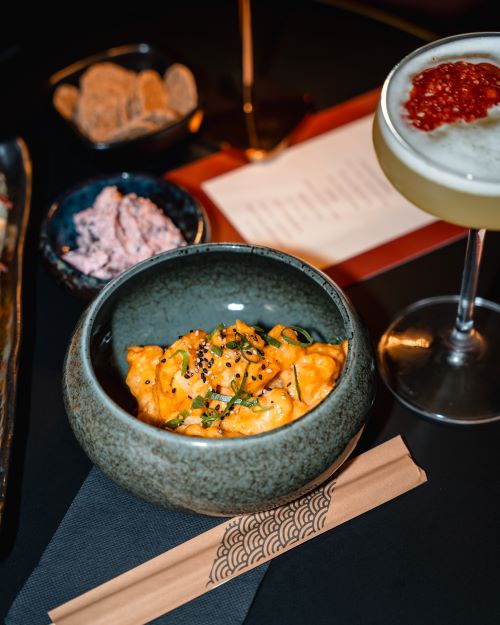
point(255, 538)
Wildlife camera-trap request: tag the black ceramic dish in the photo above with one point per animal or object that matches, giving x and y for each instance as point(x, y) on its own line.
point(135, 57)
point(58, 233)
point(15, 163)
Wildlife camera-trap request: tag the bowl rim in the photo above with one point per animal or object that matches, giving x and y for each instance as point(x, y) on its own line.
point(345, 308)
point(53, 257)
point(111, 55)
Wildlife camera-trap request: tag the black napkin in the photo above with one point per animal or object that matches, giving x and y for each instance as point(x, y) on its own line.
point(107, 531)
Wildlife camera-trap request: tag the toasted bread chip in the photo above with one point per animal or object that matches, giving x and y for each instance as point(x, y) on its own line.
point(132, 129)
point(162, 117)
point(66, 100)
point(181, 88)
point(104, 77)
point(150, 90)
point(100, 116)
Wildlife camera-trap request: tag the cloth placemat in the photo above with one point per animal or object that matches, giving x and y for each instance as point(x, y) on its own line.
point(107, 531)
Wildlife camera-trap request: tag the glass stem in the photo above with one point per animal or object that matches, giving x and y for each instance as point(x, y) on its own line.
point(464, 323)
point(245, 12)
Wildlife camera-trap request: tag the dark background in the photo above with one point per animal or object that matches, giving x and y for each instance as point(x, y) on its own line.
point(430, 556)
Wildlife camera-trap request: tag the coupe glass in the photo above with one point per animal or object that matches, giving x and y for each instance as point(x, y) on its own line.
point(441, 355)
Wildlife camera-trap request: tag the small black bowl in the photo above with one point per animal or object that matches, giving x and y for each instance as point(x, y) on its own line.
point(58, 233)
point(135, 57)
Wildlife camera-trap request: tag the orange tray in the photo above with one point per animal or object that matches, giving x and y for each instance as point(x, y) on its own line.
point(362, 266)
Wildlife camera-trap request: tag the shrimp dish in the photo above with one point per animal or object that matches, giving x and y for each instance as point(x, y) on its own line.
point(238, 380)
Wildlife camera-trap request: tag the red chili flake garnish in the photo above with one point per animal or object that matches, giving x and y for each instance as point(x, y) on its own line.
point(453, 92)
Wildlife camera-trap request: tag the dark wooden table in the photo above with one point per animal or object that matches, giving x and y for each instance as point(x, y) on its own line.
point(431, 556)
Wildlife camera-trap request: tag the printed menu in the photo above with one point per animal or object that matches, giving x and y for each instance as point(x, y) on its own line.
point(324, 200)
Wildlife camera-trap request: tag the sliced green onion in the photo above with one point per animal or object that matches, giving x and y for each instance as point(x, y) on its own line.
point(250, 357)
point(218, 396)
point(209, 418)
point(233, 345)
point(174, 423)
point(198, 402)
point(270, 341)
point(216, 350)
point(299, 395)
point(259, 408)
point(299, 330)
point(243, 339)
point(236, 395)
point(215, 330)
point(178, 420)
point(185, 359)
point(242, 401)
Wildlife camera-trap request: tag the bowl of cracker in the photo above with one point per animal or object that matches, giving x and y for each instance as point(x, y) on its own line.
point(129, 97)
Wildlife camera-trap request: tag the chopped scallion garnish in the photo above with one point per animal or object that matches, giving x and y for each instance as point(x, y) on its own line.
point(178, 420)
point(198, 402)
point(298, 330)
point(259, 408)
point(242, 400)
point(216, 350)
point(268, 339)
point(299, 395)
point(174, 423)
point(215, 330)
point(185, 359)
point(209, 418)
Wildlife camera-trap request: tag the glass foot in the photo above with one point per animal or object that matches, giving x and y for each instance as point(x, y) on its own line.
point(261, 132)
point(439, 373)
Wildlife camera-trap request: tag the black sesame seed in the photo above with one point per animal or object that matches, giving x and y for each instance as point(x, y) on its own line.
point(209, 365)
point(203, 377)
point(205, 370)
point(217, 407)
point(163, 360)
point(260, 376)
point(228, 364)
point(174, 390)
point(238, 375)
point(147, 382)
point(254, 378)
point(186, 375)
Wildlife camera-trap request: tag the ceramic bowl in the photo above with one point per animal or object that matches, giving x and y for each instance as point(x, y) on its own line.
point(58, 233)
point(135, 57)
point(201, 286)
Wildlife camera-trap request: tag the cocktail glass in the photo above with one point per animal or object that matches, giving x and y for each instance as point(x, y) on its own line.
point(441, 355)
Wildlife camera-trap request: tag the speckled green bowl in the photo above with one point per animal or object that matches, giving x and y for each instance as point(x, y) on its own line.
point(200, 286)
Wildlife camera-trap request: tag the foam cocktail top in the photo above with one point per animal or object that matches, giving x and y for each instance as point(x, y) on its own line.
point(441, 106)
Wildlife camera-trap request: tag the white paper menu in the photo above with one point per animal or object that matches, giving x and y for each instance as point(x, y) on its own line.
point(324, 200)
